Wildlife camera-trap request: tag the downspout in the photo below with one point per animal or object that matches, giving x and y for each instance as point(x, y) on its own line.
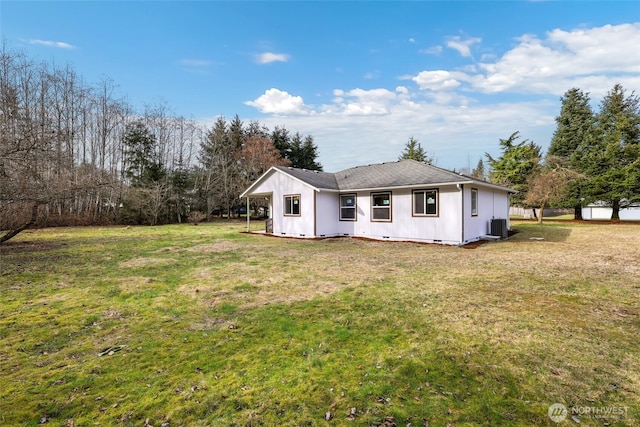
point(248, 216)
point(461, 188)
point(315, 214)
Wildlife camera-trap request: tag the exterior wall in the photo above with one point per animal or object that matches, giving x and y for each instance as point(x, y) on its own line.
point(328, 222)
point(491, 204)
point(445, 228)
point(279, 185)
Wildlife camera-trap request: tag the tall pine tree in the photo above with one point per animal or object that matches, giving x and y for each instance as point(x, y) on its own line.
point(575, 128)
point(611, 157)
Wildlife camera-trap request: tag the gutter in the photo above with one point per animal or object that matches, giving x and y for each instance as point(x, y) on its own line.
point(461, 188)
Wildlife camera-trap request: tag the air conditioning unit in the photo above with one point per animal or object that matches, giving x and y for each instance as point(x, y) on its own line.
point(499, 228)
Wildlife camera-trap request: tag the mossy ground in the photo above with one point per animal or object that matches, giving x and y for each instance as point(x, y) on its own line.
point(208, 326)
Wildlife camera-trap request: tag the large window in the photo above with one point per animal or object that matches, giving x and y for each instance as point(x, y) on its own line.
point(425, 203)
point(381, 207)
point(292, 205)
point(347, 207)
point(474, 202)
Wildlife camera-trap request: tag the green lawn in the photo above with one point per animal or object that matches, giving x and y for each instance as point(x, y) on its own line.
point(204, 325)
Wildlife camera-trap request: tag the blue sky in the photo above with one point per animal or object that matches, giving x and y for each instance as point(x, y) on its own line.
point(361, 77)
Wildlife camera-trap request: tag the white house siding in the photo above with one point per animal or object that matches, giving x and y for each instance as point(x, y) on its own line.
point(292, 226)
point(445, 228)
point(328, 222)
point(491, 204)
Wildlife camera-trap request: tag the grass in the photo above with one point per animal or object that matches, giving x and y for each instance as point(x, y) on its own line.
point(205, 325)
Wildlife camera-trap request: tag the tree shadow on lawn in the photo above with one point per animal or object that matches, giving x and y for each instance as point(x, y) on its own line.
point(28, 246)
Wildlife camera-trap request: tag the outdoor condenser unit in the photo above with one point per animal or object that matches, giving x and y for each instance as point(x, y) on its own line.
point(499, 228)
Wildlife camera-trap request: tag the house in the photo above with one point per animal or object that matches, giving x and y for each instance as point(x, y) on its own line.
point(404, 200)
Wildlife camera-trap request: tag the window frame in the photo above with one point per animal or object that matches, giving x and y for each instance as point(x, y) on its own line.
point(474, 206)
point(354, 207)
point(290, 204)
point(389, 207)
point(424, 192)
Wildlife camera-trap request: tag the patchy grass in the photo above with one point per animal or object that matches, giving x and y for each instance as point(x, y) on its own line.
point(208, 326)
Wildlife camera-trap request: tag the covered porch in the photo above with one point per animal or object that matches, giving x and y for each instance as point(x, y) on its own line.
point(262, 207)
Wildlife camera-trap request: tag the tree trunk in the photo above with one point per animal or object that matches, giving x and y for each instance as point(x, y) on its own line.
point(13, 233)
point(541, 213)
point(535, 216)
point(615, 210)
point(577, 212)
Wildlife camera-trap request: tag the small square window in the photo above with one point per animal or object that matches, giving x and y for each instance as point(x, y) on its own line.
point(425, 203)
point(381, 207)
point(292, 205)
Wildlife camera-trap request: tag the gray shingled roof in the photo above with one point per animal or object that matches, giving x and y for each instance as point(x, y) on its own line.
point(320, 180)
point(402, 173)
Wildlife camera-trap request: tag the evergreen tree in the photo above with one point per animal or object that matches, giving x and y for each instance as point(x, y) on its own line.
point(143, 168)
point(282, 141)
point(519, 160)
point(574, 124)
point(575, 128)
point(611, 156)
point(308, 155)
point(256, 129)
point(295, 150)
point(414, 151)
point(220, 168)
point(236, 133)
point(301, 151)
point(479, 171)
point(142, 165)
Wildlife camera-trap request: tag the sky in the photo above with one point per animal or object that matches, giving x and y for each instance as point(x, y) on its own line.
point(361, 77)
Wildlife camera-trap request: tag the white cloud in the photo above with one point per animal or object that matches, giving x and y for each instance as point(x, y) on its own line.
point(360, 126)
point(439, 79)
point(269, 57)
point(352, 134)
point(592, 59)
point(412, 40)
point(51, 43)
point(462, 46)
point(360, 102)
point(275, 101)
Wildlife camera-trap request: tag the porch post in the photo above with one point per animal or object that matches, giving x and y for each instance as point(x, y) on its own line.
point(248, 216)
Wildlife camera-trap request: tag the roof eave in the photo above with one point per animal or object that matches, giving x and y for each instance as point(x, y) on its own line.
point(247, 192)
point(410, 186)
